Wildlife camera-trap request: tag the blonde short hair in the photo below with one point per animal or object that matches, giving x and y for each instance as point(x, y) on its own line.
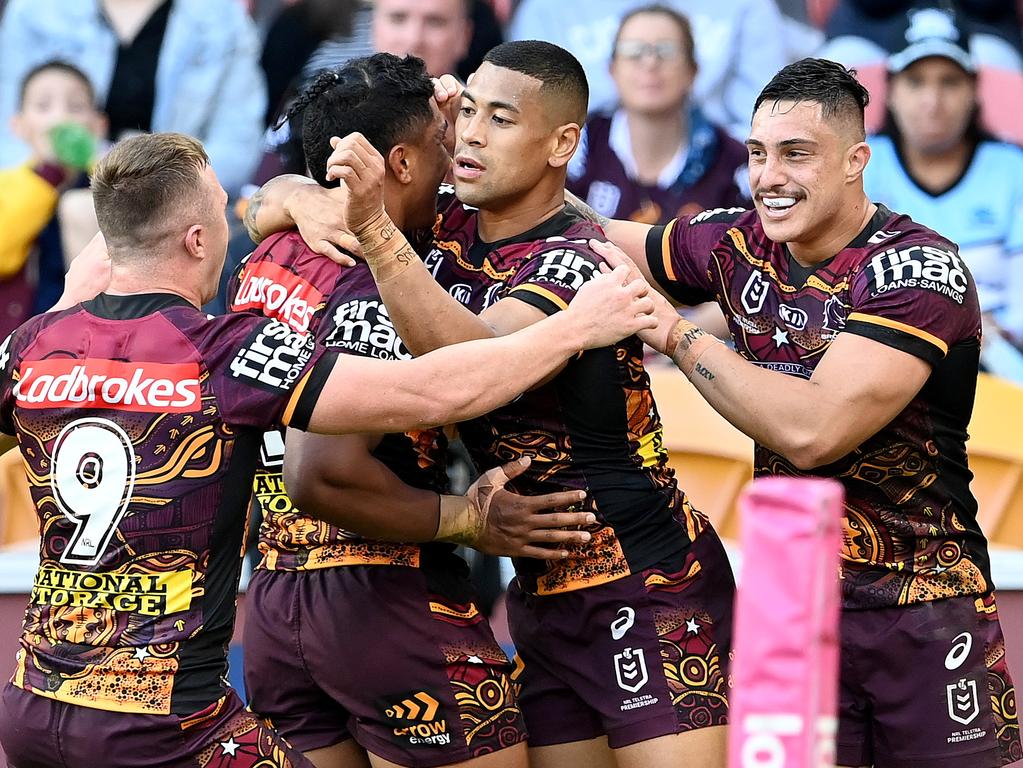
point(144, 183)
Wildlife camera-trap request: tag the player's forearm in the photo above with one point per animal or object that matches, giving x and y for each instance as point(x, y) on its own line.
point(789, 415)
point(376, 504)
point(267, 212)
point(425, 315)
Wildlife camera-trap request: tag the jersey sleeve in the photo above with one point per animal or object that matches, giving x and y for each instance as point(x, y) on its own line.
point(919, 298)
point(264, 372)
point(679, 253)
point(7, 382)
point(550, 280)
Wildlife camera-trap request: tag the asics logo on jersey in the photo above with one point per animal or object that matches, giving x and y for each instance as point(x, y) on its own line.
point(273, 357)
point(881, 235)
point(363, 326)
point(277, 293)
point(566, 267)
point(94, 383)
point(919, 266)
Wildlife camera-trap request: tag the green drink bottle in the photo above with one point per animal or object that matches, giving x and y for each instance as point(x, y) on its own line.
point(74, 145)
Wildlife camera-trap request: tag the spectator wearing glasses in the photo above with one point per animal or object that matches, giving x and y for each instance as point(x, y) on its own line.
point(656, 155)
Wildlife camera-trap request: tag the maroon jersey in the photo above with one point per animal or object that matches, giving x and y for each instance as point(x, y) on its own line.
point(911, 530)
point(139, 420)
point(284, 279)
point(594, 427)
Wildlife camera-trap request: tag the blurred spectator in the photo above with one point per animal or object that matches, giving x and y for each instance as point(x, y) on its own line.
point(741, 45)
point(934, 163)
point(161, 65)
point(60, 126)
point(866, 31)
point(656, 156)
point(295, 33)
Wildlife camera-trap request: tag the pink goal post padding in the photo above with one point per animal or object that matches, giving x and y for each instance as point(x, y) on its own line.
point(785, 673)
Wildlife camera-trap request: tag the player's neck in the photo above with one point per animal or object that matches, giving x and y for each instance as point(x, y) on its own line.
point(840, 231)
point(499, 223)
point(130, 280)
point(939, 170)
point(655, 139)
point(394, 205)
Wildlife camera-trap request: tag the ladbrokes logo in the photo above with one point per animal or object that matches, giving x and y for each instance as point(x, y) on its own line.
point(279, 294)
point(362, 326)
point(273, 357)
point(919, 266)
point(92, 383)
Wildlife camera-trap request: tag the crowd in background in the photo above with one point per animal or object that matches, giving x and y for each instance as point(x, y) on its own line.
point(672, 86)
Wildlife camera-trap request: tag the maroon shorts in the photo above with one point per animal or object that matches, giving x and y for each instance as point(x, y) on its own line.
point(634, 659)
point(926, 686)
point(37, 732)
point(398, 658)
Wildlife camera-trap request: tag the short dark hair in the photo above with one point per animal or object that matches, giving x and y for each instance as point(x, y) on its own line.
point(55, 65)
point(680, 20)
point(144, 183)
point(383, 97)
point(559, 72)
point(823, 82)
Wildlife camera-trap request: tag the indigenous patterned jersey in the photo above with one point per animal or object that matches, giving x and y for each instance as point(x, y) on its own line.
point(139, 419)
point(284, 279)
point(910, 522)
point(593, 427)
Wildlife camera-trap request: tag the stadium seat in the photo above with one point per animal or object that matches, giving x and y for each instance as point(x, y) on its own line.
point(712, 458)
point(18, 521)
point(1001, 93)
point(996, 458)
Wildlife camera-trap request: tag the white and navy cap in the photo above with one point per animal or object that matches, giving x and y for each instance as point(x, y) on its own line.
point(933, 32)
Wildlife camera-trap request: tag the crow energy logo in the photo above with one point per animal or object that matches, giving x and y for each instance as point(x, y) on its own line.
point(415, 718)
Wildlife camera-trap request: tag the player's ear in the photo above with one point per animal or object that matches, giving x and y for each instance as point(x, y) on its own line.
point(857, 157)
point(195, 241)
point(566, 141)
point(401, 162)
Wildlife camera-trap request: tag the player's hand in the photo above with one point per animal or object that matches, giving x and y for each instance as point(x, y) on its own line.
point(667, 316)
point(319, 214)
point(526, 526)
point(88, 274)
point(611, 307)
point(357, 163)
point(447, 92)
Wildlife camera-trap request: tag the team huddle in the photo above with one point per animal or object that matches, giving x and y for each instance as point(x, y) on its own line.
point(503, 305)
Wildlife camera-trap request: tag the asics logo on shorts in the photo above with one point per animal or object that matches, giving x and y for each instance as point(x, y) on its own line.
point(961, 647)
point(621, 625)
point(95, 383)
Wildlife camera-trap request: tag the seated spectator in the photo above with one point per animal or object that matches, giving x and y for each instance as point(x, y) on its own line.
point(60, 126)
point(656, 156)
point(862, 32)
point(742, 43)
point(934, 163)
point(158, 65)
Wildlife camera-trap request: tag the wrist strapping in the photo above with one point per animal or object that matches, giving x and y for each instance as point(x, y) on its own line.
point(460, 520)
point(385, 248)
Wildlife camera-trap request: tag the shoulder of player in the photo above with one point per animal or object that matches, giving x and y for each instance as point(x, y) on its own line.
point(734, 217)
point(289, 251)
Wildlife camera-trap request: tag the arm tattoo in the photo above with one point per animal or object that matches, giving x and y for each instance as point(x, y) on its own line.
point(705, 372)
point(251, 212)
point(587, 212)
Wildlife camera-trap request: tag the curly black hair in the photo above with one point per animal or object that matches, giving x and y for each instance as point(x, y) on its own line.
point(823, 82)
point(383, 97)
